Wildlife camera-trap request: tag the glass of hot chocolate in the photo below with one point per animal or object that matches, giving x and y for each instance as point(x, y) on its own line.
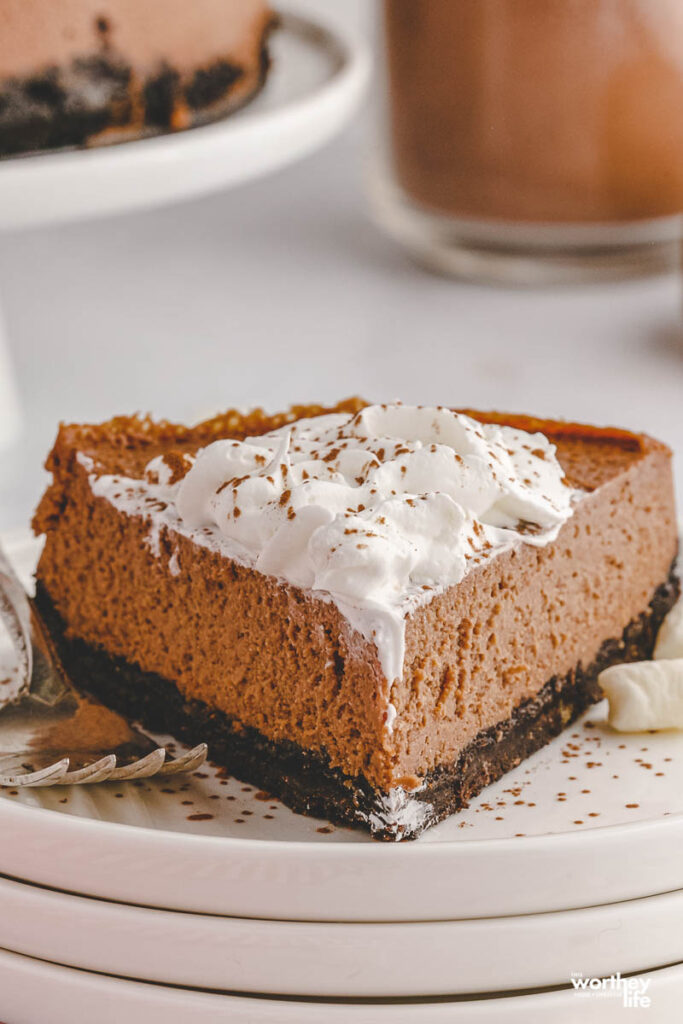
point(533, 140)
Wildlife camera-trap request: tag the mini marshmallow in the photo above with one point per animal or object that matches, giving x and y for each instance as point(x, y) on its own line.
point(644, 695)
point(670, 637)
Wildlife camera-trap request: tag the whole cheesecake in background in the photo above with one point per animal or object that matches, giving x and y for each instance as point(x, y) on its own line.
point(74, 72)
point(371, 612)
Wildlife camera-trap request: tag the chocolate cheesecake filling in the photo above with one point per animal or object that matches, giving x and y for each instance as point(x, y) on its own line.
point(306, 780)
point(293, 699)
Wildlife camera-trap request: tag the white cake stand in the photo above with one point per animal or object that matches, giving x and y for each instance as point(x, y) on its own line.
point(316, 82)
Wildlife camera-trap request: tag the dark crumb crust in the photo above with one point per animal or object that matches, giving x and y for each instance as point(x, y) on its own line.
point(304, 779)
point(55, 109)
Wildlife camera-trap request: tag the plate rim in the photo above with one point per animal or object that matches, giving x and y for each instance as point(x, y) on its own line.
point(146, 944)
point(391, 849)
point(212, 1007)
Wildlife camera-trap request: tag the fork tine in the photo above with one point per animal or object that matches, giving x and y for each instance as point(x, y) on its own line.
point(50, 776)
point(142, 768)
point(105, 769)
point(187, 762)
point(98, 771)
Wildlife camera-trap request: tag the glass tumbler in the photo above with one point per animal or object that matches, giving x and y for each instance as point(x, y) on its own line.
point(533, 140)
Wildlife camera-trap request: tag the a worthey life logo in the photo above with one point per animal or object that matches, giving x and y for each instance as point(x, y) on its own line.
point(633, 991)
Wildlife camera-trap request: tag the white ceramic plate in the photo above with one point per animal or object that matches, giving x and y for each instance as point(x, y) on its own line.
point(315, 84)
point(593, 818)
point(340, 960)
point(35, 992)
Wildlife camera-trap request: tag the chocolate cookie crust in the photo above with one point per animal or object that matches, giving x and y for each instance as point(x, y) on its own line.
point(304, 780)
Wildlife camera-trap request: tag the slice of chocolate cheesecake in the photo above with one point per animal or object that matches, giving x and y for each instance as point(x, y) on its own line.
point(370, 612)
point(85, 72)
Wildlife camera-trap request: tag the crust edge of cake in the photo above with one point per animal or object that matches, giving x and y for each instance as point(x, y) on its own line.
point(305, 781)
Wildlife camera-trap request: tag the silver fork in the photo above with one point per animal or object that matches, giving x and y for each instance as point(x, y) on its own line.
point(52, 734)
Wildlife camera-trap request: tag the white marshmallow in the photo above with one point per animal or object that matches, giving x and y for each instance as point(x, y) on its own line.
point(644, 695)
point(670, 637)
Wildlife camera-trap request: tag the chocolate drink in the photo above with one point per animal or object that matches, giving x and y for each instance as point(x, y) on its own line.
point(538, 110)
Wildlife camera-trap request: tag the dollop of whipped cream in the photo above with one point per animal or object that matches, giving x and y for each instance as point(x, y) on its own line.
point(376, 511)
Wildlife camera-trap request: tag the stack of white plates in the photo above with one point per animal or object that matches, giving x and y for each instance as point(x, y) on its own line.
point(202, 899)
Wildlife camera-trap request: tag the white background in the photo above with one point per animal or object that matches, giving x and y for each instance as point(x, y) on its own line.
point(283, 291)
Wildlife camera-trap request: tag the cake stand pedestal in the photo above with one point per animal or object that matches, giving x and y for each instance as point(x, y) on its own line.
point(10, 417)
point(317, 80)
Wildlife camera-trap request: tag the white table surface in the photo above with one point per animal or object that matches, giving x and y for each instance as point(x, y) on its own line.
point(284, 291)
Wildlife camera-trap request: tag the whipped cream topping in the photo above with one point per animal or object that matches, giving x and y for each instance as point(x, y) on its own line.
point(400, 810)
point(377, 511)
